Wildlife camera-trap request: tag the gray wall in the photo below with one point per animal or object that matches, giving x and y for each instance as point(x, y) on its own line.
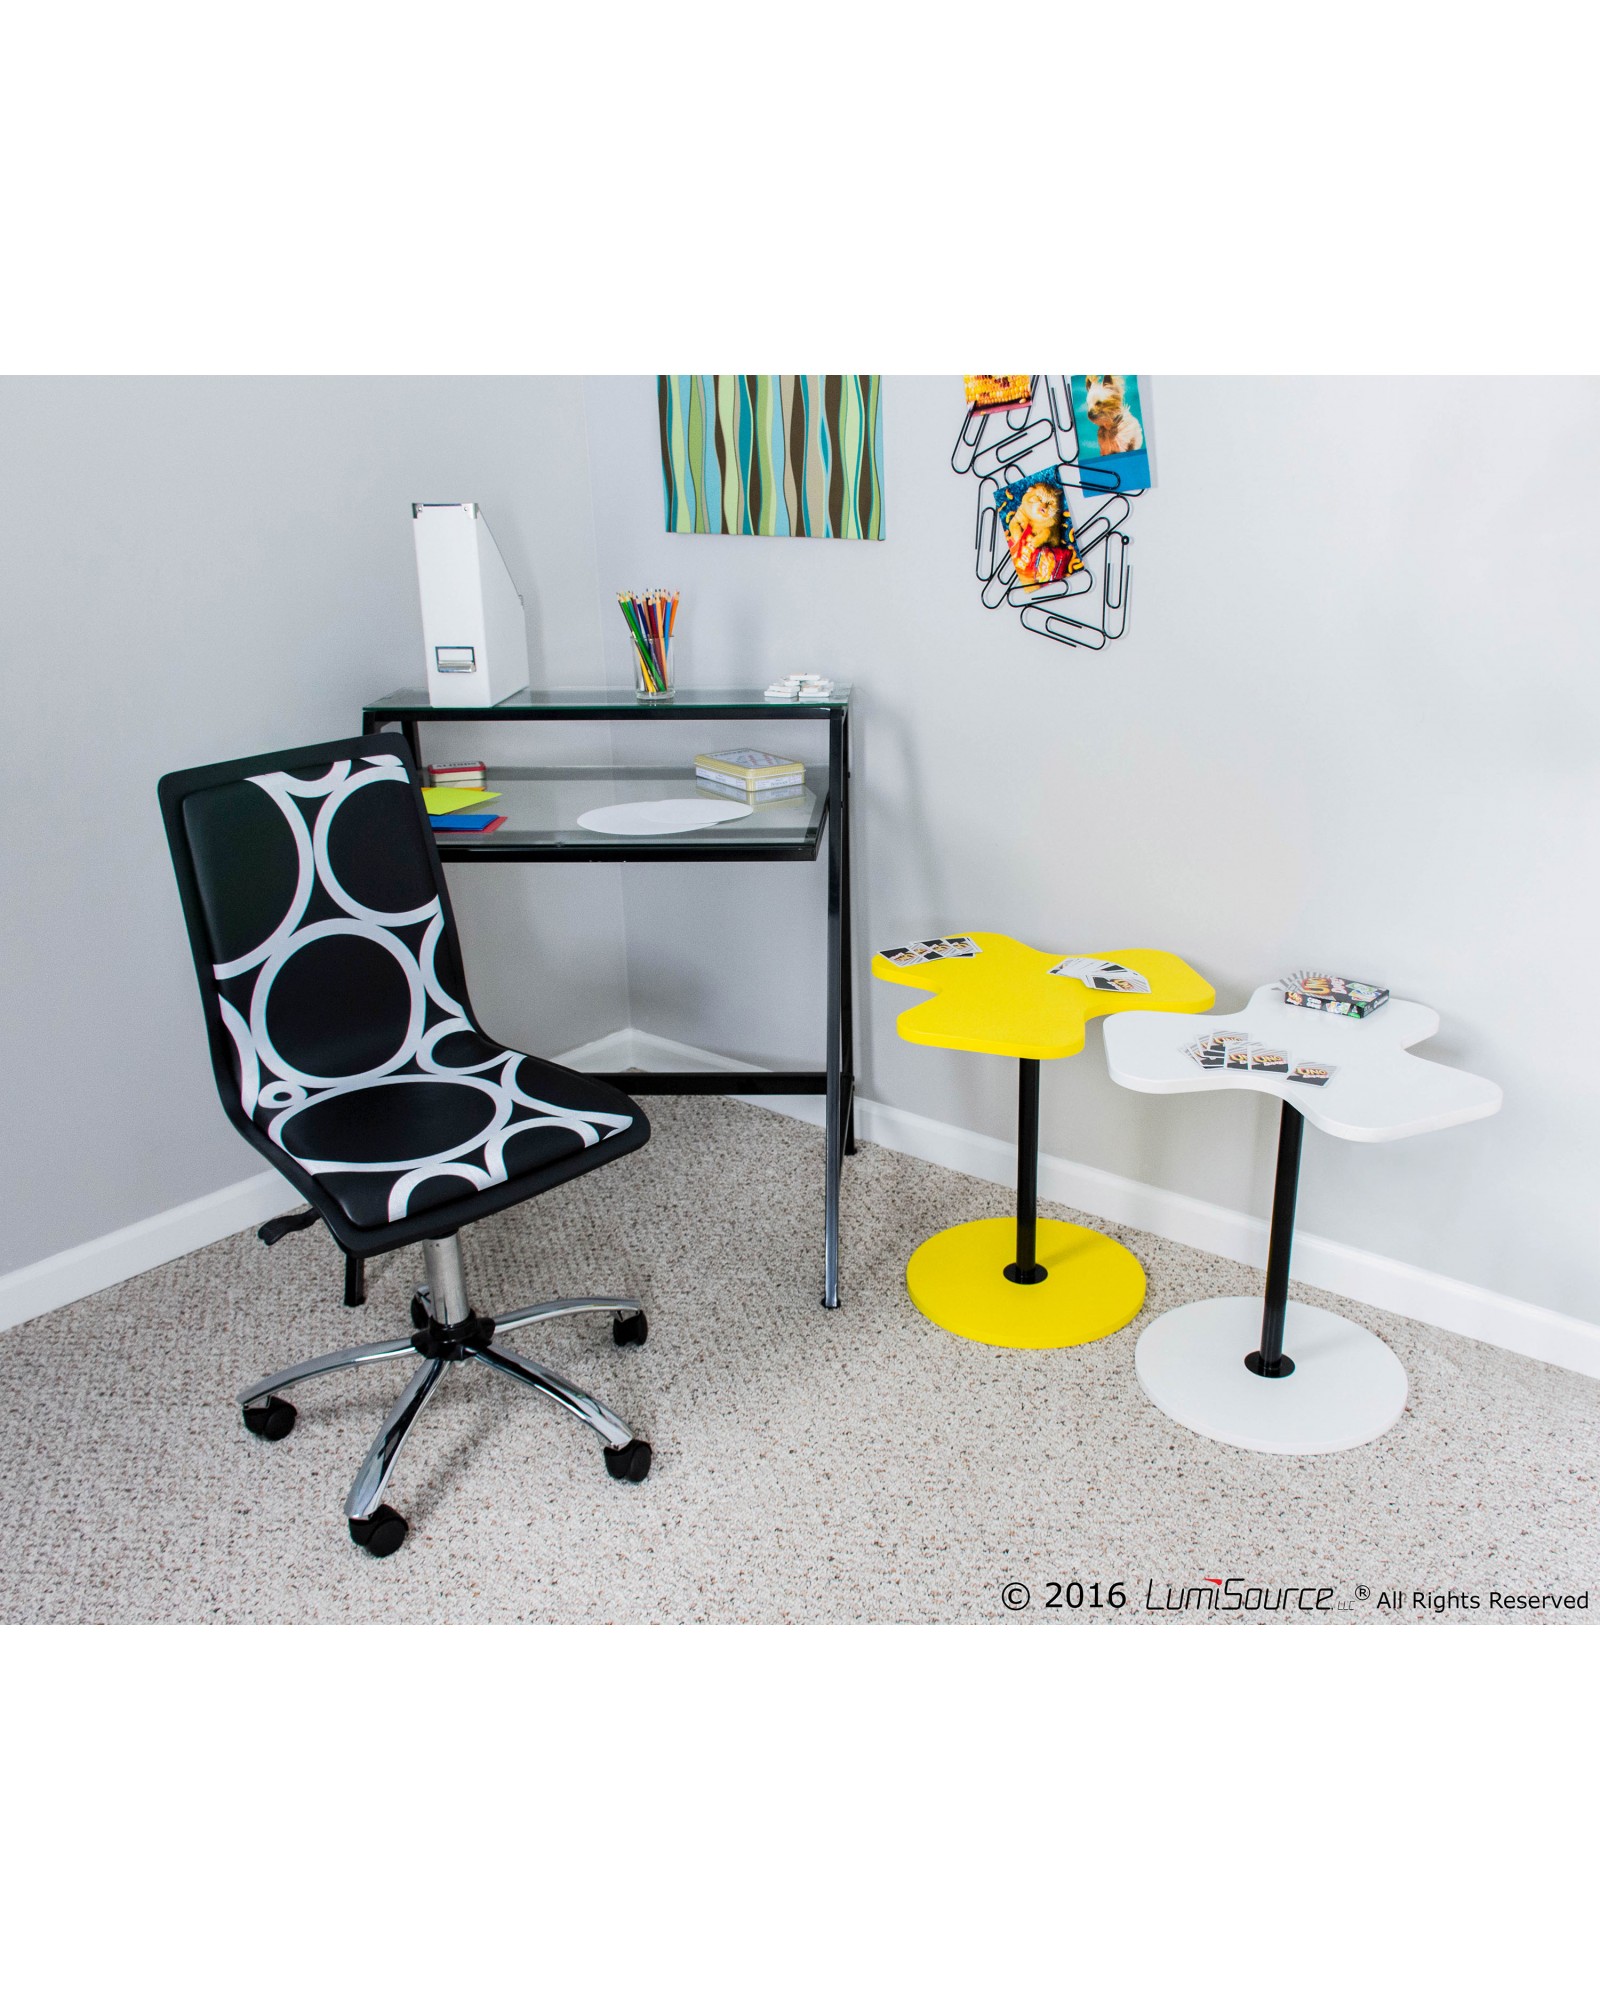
point(196, 569)
point(1353, 724)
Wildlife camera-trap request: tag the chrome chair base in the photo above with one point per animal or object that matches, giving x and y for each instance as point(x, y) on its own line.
point(448, 1331)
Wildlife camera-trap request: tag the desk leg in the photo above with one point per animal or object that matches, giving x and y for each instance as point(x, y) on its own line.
point(1270, 1359)
point(832, 1132)
point(847, 968)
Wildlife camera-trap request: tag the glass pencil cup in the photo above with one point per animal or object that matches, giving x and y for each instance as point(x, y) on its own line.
point(653, 682)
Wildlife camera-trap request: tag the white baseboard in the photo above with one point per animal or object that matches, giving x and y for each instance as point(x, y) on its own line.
point(107, 1260)
point(125, 1253)
point(1439, 1301)
point(618, 1050)
point(633, 1048)
point(1336, 1267)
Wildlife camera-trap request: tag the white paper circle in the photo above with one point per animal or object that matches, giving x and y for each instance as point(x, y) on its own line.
point(648, 816)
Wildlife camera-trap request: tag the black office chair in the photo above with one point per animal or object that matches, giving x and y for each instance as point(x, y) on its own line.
point(346, 1050)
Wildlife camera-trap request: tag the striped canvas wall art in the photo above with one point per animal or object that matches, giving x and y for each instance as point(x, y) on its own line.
point(772, 455)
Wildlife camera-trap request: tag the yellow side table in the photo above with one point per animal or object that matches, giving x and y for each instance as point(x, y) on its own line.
point(1041, 1283)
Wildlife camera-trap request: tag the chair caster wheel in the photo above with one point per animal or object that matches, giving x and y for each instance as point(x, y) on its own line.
point(421, 1318)
point(271, 1420)
point(381, 1533)
point(630, 1329)
point(629, 1461)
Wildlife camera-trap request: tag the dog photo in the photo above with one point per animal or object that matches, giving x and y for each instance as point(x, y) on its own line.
point(1112, 453)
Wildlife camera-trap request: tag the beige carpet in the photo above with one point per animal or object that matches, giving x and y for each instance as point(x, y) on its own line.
point(810, 1466)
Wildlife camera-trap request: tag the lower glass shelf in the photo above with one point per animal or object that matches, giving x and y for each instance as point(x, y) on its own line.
point(542, 808)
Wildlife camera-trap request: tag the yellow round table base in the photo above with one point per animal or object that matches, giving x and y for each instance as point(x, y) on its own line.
point(957, 1279)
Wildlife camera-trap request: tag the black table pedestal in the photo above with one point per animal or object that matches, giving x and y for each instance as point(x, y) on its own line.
point(1027, 1270)
point(1269, 1359)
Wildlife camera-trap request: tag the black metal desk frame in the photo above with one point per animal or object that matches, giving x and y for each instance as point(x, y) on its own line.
point(836, 1081)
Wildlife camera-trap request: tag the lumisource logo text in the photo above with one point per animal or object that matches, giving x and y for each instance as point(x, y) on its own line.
point(1236, 1593)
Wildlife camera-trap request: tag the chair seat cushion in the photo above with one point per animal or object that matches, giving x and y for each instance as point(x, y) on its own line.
point(400, 1146)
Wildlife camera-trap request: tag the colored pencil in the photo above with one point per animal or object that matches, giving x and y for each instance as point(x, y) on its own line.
point(651, 616)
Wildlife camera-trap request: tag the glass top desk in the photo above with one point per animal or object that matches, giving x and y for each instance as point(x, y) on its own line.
point(541, 805)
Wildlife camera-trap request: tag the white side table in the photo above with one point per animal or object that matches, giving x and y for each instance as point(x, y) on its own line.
point(1283, 1377)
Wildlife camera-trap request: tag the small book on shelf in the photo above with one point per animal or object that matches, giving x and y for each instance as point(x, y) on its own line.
point(468, 775)
point(752, 773)
point(466, 822)
point(766, 795)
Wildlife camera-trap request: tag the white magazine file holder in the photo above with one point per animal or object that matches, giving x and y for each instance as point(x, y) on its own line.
point(474, 634)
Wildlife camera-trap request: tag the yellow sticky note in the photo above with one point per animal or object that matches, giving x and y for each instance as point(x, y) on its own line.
point(454, 798)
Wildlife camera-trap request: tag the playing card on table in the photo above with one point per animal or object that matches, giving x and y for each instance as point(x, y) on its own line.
point(928, 949)
point(1104, 975)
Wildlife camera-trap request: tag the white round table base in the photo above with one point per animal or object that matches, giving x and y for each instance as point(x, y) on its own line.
point(1347, 1387)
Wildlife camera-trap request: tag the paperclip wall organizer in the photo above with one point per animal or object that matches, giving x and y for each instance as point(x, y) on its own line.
point(1090, 607)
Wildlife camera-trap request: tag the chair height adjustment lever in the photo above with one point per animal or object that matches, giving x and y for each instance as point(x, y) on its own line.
point(285, 1225)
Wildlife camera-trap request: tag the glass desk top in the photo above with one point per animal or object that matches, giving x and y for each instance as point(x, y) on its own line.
point(541, 808)
point(413, 705)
